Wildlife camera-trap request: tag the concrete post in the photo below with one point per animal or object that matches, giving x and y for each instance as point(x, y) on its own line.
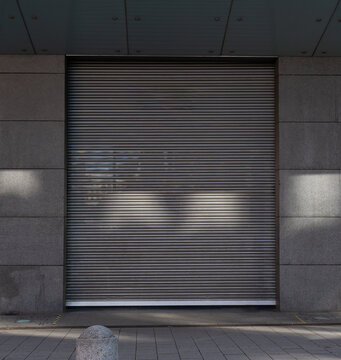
point(96, 343)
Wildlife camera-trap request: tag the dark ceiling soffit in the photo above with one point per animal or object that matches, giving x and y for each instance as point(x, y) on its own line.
point(25, 24)
point(330, 19)
point(325, 29)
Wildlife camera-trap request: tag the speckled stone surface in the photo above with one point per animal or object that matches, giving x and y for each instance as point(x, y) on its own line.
point(97, 343)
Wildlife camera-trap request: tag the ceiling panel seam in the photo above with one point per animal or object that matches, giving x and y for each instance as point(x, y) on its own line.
point(26, 27)
point(226, 27)
point(126, 23)
point(325, 29)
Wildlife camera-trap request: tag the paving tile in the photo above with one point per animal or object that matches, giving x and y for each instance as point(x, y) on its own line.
point(261, 337)
point(67, 346)
point(282, 357)
point(48, 345)
point(331, 334)
point(35, 338)
point(225, 344)
point(185, 344)
point(278, 338)
point(269, 348)
point(314, 337)
point(306, 344)
point(242, 341)
point(127, 344)
point(168, 357)
point(206, 346)
point(4, 336)
point(237, 357)
point(10, 345)
point(165, 342)
point(145, 344)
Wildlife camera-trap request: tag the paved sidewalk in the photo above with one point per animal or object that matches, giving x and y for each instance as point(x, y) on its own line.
point(184, 343)
point(156, 317)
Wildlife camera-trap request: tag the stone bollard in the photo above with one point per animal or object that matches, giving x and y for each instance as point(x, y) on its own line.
point(96, 343)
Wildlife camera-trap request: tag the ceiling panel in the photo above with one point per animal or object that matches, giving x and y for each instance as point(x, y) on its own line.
point(276, 27)
point(76, 26)
point(330, 44)
point(176, 27)
point(13, 35)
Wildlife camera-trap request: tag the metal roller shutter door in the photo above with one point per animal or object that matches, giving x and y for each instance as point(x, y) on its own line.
point(171, 183)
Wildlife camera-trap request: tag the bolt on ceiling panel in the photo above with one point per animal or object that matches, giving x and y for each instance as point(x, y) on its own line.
point(13, 36)
point(276, 27)
point(77, 26)
point(177, 27)
point(330, 44)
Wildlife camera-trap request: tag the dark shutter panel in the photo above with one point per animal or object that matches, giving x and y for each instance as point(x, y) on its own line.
point(171, 183)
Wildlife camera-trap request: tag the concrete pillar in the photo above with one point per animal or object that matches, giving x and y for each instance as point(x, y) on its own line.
point(32, 186)
point(310, 183)
point(97, 343)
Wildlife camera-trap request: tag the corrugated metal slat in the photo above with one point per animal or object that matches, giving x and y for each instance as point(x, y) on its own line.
point(171, 183)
